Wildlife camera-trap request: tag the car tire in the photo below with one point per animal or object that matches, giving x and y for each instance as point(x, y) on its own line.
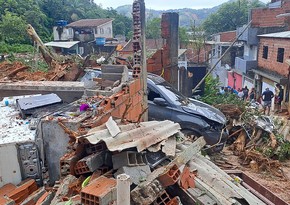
point(190, 134)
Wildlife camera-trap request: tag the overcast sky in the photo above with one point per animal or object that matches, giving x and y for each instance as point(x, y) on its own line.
point(166, 4)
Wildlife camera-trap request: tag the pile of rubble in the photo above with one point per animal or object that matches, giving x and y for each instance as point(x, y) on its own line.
point(258, 140)
point(129, 163)
point(17, 71)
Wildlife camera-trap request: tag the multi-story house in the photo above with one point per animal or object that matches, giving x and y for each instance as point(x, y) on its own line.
point(266, 26)
point(224, 68)
point(81, 36)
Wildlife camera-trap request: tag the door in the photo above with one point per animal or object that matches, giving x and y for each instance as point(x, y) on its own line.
point(155, 111)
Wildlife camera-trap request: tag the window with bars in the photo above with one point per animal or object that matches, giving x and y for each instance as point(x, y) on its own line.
point(265, 52)
point(280, 55)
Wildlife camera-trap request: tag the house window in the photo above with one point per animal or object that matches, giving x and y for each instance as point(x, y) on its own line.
point(265, 52)
point(101, 31)
point(280, 55)
point(109, 30)
point(96, 30)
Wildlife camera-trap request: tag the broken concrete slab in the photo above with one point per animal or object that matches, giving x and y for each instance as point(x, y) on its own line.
point(63, 189)
point(112, 127)
point(67, 91)
point(169, 146)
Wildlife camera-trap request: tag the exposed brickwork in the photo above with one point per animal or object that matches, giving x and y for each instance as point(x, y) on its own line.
point(266, 17)
point(203, 56)
point(102, 191)
point(228, 36)
point(271, 62)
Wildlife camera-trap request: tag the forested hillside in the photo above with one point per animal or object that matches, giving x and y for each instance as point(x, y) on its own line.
point(42, 15)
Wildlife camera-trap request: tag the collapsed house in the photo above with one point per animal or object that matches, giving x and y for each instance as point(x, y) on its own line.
point(78, 154)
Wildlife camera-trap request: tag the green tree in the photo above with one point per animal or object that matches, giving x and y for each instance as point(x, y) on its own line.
point(229, 16)
point(13, 29)
point(183, 37)
point(153, 29)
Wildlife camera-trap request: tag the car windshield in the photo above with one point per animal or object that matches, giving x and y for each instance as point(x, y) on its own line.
point(175, 96)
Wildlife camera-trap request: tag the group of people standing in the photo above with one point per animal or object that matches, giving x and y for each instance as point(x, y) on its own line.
point(265, 99)
point(246, 95)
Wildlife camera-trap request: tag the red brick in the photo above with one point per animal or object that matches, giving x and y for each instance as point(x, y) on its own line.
point(23, 191)
point(170, 177)
point(99, 192)
point(7, 188)
point(228, 36)
point(162, 199)
point(174, 201)
point(42, 198)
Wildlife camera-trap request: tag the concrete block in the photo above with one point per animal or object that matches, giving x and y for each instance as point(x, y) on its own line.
point(128, 158)
point(137, 174)
point(95, 148)
point(101, 191)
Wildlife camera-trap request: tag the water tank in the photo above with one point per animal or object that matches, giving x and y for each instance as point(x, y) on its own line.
point(100, 41)
point(61, 23)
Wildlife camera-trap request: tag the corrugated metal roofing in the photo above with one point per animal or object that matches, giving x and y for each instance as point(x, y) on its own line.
point(67, 44)
point(219, 185)
point(89, 23)
point(285, 34)
point(141, 135)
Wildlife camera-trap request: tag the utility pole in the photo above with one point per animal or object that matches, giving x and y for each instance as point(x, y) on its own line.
point(139, 48)
point(232, 44)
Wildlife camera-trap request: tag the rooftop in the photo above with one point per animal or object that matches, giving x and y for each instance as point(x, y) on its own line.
point(285, 34)
point(89, 22)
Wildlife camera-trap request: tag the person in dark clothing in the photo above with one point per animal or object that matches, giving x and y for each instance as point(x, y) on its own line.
point(267, 96)
point(279, 96)
point(246, 93)
point(252, 96)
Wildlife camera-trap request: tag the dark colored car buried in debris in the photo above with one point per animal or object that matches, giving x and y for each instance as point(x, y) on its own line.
point(195, 117)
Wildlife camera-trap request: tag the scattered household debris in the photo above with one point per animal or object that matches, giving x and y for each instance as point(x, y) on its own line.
point(94, 161)
point(259, 140)
point(27, 106)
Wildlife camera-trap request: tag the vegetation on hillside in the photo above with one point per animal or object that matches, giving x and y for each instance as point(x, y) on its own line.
point(43, 14)
point(230, 16)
